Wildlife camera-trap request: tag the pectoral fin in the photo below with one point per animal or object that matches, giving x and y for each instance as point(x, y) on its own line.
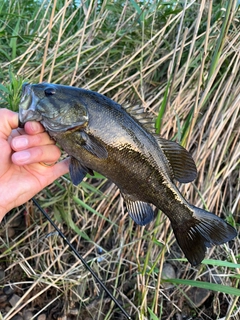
point(180, 160)
point(78, 171)
point(92, 145)
point(141, 212)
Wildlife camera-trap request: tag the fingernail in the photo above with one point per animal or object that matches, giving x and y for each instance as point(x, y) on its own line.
point(22, 156)
point(20, 142)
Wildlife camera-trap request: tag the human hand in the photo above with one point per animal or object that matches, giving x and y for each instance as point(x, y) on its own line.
point(21, 151)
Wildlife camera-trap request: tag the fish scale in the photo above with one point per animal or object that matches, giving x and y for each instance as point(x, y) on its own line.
point(100, 135)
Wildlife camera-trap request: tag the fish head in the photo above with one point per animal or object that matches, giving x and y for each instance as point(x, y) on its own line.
point(57, 107)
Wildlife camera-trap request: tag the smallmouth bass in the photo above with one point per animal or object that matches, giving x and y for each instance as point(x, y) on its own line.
point(100, 135)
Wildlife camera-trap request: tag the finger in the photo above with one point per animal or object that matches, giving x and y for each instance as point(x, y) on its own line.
point(48, 154)
point(33, 127)
point(52, 173)
point(58, 170)
point(8, 122)
point(15, 133)
point(22, 142)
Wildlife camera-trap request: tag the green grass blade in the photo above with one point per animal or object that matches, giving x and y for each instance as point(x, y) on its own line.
point(220, 42)
point(152, 315)
point(86, 206)
point(205, 285)
point(162, 109)
point(219, 263)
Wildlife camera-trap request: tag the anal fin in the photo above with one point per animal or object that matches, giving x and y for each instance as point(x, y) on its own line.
point(141, 212)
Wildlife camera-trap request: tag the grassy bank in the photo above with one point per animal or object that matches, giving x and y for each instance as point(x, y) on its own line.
point(181, 61)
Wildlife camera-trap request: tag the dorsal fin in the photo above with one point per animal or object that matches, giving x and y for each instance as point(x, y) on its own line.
point(143, 117)
point(180, 160)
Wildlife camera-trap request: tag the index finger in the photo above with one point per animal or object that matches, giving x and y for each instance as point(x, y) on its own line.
point(8, 122)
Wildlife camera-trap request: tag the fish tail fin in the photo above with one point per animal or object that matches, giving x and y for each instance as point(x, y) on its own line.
point(204, 229)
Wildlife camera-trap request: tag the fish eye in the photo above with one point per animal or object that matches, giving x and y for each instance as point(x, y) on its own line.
point(49, 91)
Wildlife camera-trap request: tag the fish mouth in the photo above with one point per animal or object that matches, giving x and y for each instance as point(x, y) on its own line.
point(27, 106)
point(34, 106)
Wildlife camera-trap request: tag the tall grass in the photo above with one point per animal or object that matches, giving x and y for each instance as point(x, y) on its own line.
point(181, 61)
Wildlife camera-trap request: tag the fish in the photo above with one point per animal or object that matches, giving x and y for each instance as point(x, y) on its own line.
point(119, 142)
